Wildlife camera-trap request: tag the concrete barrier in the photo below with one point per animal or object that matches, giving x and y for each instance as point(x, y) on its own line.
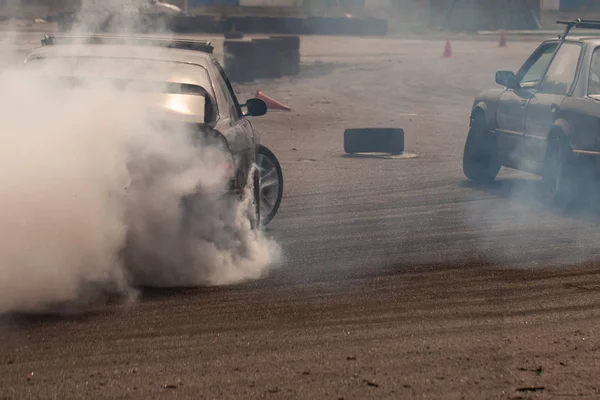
point(374, 140)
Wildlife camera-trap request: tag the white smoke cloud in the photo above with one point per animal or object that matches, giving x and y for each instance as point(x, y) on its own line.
point(91, 189)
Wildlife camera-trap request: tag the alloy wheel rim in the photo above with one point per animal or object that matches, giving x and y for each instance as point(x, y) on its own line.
point(269, 185)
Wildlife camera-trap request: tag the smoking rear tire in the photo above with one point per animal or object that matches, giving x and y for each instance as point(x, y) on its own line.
point(559, 176)
point(271, 184)
point(255, 223)
point(480, 157)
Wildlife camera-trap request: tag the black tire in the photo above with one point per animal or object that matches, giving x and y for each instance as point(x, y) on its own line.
point(374, 140)
point(255, 223)
point(559, 175)
point(480, 158)
point(266, 219)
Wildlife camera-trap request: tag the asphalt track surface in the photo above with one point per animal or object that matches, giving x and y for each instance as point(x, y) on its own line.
point(401, 279)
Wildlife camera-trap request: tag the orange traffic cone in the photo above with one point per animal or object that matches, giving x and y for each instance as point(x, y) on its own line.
point(502, 39)
point(447, 50)
point(271, 103)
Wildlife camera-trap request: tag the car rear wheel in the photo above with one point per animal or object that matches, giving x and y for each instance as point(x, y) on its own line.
point(255, 207)
point(558, 177)
point(271, 184)
point(480, 157)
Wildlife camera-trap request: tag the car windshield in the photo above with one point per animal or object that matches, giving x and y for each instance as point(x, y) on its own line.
point(182, 88)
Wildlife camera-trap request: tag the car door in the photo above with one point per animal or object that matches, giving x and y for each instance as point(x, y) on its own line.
point(544, 106)
point(512, 105)
point(234, 126)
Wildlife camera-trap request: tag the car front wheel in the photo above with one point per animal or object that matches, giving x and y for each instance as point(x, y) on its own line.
point(480, 157)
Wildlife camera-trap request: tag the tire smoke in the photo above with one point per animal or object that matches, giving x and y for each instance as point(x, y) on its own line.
point(97, 199)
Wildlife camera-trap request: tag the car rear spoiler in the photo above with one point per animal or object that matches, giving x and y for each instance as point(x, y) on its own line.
point(186, 44)
point(578, 23)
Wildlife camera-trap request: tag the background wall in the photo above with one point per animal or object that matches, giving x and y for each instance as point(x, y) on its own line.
point(579, 5)
point(550, 4)
point(402, 15)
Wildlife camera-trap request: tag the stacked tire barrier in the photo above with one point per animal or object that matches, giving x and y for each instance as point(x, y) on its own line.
point(291, 25)
point(289, 48)
point(238, 60)
point(261, 58)
point(264, 25)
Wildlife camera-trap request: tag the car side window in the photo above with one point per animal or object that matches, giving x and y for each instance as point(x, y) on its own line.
point(561, 75)
point(594, 78)
point(532, 72)
point(233, 104)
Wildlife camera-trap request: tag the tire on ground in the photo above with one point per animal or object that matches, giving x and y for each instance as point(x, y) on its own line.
point(480, 157)
point(374, 140)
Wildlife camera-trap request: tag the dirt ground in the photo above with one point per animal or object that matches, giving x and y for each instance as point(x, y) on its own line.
point(401, 280)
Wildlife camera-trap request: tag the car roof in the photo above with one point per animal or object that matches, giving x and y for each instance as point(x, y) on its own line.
point(156, 53)
point(593, 40)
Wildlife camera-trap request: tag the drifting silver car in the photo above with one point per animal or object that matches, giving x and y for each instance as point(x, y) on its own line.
point(187, 70)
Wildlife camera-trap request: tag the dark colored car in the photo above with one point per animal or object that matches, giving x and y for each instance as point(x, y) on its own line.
point(545, 120)
point(191, 89)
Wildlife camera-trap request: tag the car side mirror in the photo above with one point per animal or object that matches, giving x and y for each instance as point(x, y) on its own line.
point(507, 78)
point(255, 108)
